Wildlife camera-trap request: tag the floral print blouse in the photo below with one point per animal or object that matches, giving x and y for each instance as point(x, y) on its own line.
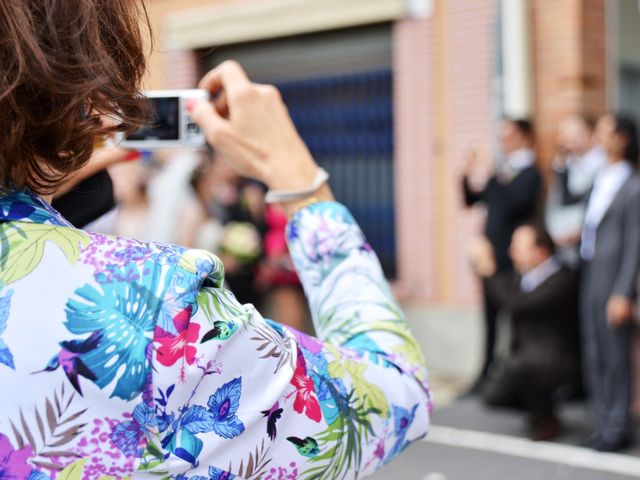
point(123, 359)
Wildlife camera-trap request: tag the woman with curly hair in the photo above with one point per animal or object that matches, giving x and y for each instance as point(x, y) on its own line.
point(124, 359)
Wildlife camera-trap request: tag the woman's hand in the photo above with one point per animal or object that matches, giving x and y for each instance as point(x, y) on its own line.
point(619, 311)
point(250, 127)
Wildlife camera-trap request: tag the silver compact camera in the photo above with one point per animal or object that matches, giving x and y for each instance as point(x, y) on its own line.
point(170, 124)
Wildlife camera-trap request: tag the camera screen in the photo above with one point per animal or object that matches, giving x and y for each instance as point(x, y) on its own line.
point(166, 121)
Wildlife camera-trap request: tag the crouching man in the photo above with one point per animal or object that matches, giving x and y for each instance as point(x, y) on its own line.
point(541, 298)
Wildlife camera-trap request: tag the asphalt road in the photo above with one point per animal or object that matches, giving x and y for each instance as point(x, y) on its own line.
point(429, 461)
point(470, 442)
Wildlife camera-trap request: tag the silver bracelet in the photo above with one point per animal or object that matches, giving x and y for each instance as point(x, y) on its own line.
point(280, 196)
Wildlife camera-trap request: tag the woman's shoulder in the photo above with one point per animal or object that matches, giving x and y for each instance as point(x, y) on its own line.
point(73, 257)
point(109, 254)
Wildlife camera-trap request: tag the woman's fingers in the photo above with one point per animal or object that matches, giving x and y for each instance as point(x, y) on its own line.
point(222, 105)
point(228, 77)
point(215, 127)
point(249, 125)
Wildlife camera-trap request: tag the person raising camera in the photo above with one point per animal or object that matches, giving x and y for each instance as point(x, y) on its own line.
point(126, 359)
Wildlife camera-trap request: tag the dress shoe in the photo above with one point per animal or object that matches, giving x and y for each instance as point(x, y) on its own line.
point(614, 445)
point(545, 429)
point(591, 441)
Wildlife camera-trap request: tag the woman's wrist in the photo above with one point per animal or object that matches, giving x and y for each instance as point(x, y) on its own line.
point(322, 194)
point(282, 196)
point(287, 175)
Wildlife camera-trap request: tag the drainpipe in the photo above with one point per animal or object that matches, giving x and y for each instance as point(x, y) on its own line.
point(420, 8)
point(517, 71)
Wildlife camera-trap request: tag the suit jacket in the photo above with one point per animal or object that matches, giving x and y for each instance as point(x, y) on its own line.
point(616, 262)
point(545, 320)
point(508, 205)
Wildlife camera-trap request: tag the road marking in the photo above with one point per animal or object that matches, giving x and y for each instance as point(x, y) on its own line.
point(435, 476)
point(569, 455)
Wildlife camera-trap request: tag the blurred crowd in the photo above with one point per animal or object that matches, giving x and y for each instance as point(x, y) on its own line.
point(559, 263)
point(193, 199)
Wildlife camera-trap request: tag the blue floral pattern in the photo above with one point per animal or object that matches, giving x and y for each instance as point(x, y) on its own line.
point(6, 357)
point(129, 436)
point(223, 406)
point(142, 362)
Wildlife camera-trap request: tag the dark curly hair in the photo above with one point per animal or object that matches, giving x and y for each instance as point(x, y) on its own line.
point(543, 238)
point(66, 66)
point(625, 126)
point(524, 126)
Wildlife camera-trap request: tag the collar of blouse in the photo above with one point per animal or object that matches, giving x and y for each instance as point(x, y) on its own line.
point(26, 206)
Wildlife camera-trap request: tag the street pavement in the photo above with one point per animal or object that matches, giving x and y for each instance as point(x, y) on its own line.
point(470, 442)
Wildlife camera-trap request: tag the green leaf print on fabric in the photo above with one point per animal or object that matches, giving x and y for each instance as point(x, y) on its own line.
point(26, 244)
point(220, 305)
point(152, 458)
point(341, 444)
point(73, 471)
point(372, 395)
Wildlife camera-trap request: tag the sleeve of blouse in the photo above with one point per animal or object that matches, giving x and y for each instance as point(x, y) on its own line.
point(236, 395)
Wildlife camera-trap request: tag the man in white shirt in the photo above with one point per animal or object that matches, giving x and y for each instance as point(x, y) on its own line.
point(577, 164)
point(605, 189)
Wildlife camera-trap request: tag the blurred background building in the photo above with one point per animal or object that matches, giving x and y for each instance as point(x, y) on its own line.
point(391, 94)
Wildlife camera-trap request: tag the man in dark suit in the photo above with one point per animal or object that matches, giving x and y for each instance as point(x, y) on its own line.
point(541, 298)
point(510, 195)
point(610, 251)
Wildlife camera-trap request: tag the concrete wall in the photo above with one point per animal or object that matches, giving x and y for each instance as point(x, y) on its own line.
point(629, 36)
point(451, 340)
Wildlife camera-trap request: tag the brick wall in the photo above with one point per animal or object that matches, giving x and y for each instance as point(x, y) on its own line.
point(594, 57)
point(182, 69)
point(472, 27)
point(443, 77)
point(168, 67)
point(569, 64)
point(416, 200)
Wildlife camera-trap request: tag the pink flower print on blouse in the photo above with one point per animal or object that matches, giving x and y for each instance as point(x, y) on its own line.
point(13, 463)
point(179, 346)
point(306, 400)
